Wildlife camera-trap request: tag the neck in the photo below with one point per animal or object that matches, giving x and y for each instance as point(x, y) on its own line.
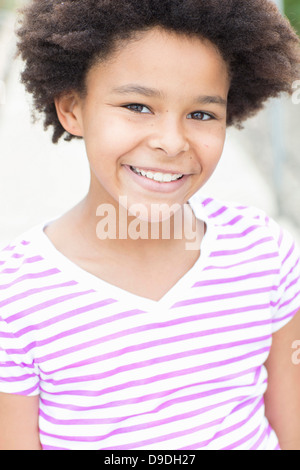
point(112, 226)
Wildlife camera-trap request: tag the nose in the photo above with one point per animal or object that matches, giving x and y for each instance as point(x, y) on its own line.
point(170, 136)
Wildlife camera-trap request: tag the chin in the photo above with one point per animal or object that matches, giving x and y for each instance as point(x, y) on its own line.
point(154, 213)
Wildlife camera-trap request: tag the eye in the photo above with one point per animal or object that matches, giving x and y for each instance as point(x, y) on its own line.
point(138, 108)
point(201, 116)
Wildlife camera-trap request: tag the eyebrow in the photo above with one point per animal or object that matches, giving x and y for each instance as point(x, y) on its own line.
point(153, 93)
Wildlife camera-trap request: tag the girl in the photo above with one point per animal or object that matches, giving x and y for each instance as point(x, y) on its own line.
point(148, 317)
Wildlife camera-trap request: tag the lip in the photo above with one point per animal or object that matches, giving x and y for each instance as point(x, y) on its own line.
point(155, 186)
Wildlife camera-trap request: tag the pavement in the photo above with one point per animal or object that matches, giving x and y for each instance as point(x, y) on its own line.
point(40, 180)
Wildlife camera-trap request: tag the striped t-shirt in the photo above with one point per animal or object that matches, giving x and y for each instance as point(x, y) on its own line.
point(118, 371)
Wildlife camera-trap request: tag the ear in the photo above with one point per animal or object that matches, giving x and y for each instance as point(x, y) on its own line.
point(68, 108)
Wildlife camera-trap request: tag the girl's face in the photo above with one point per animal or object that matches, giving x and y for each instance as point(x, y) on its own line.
point(153, 119)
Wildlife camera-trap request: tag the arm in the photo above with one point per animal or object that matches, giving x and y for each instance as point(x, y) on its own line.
point(282, 398)
point(19, 422)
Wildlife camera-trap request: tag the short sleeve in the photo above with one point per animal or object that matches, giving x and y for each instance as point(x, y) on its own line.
point(18, 373)
point(286, 300)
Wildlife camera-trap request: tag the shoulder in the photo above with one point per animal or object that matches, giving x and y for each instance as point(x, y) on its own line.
point(253, 244)
point(230, 213)
point(34, 291)
point(23, 268)
point(20, 253)
point(249, 235)
point(231, 218)
point(20, 267)
point(17, 255)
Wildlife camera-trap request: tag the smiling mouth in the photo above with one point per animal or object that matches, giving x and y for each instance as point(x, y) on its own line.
point(157, 176)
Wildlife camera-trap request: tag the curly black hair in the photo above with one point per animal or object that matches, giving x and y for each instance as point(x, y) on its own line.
point(60, 40)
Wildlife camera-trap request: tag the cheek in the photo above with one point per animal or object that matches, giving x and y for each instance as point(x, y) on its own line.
point(111, 139)
point(211, 149)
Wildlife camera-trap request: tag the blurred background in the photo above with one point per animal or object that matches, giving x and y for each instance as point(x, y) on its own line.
point(39, 181)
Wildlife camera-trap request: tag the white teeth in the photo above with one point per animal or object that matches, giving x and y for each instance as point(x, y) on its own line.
point(159, 177)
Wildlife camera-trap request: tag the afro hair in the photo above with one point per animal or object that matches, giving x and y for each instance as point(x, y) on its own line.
point(60, 40)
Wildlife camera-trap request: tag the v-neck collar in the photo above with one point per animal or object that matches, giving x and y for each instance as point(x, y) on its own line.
point(83, 277)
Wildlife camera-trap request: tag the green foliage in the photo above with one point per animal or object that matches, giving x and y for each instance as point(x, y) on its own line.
point(10, 4)
point(292, 11)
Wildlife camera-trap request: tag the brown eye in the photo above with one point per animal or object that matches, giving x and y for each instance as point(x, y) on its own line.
point(200, 116)
point(138, 108)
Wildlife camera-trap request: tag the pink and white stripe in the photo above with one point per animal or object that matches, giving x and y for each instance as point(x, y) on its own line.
point(117, 371)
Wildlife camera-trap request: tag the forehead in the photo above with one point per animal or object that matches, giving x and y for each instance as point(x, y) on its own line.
point(166, 61)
